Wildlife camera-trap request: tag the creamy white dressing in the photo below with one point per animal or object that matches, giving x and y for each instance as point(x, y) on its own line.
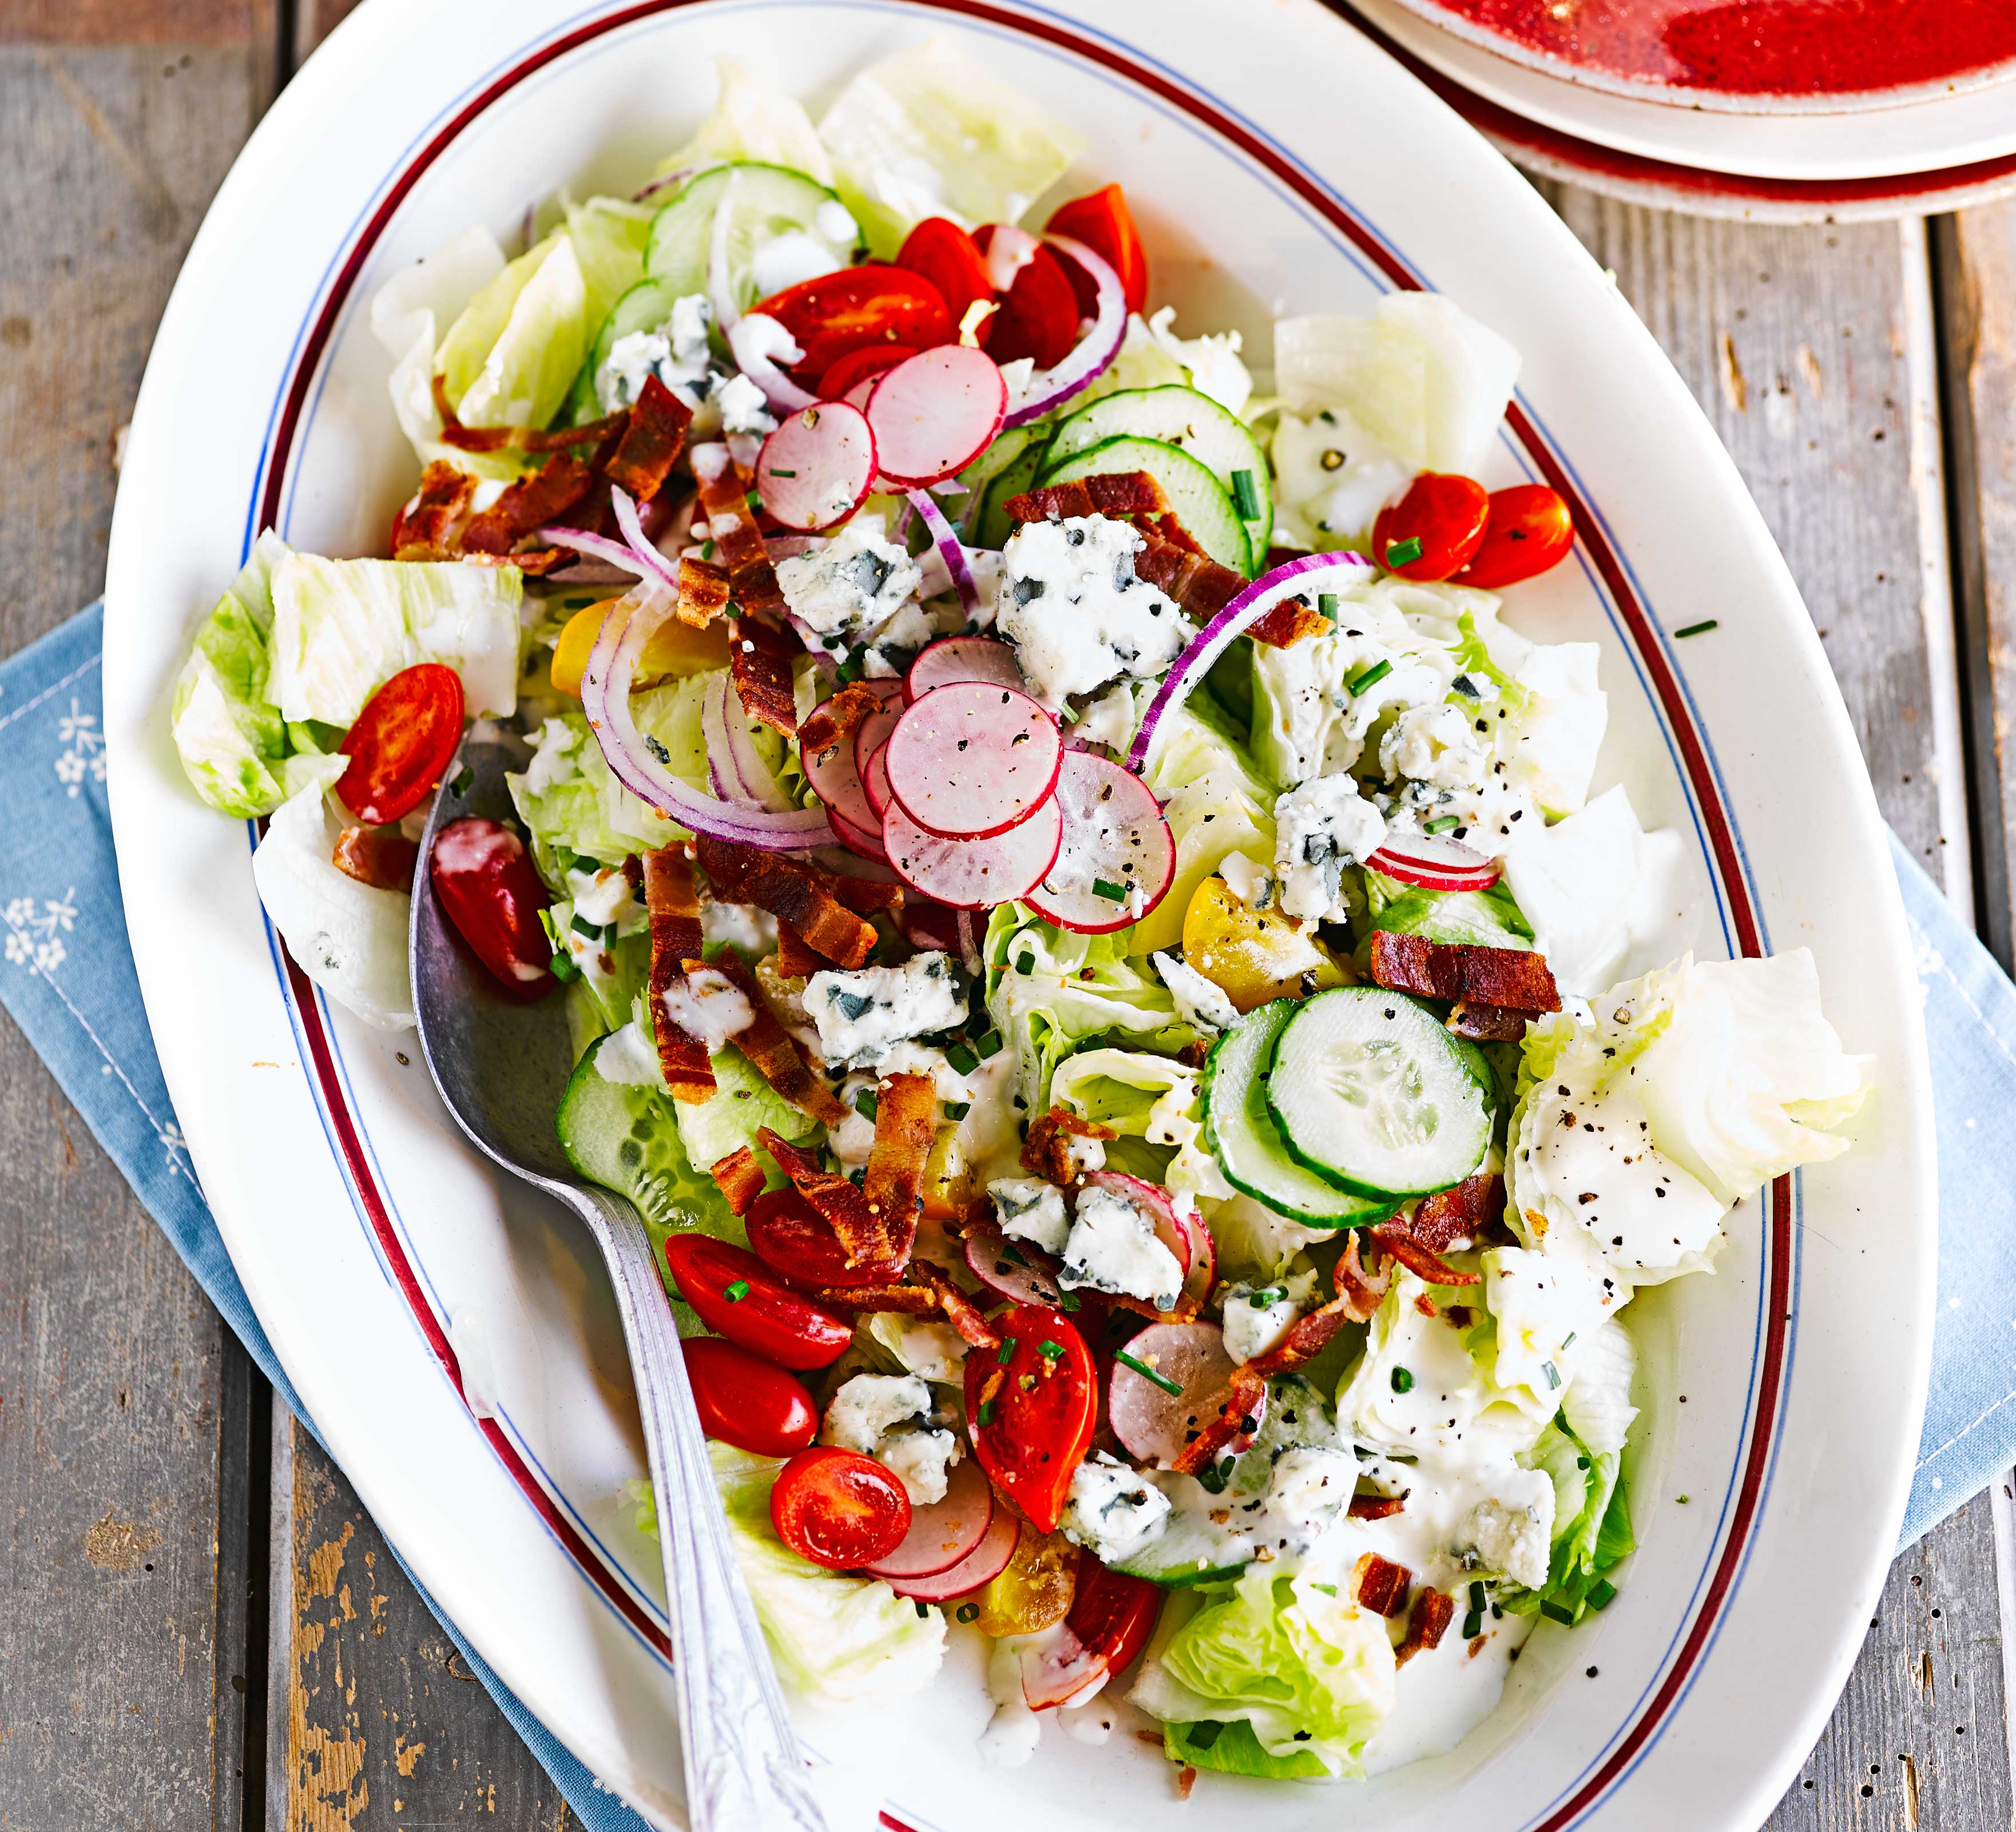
point(1011, 1736)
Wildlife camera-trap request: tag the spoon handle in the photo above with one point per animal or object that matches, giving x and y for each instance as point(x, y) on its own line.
point(743, 1768)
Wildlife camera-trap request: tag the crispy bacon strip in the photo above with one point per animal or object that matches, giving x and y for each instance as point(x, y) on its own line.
point(1357, 1289)
point(740, 1177)
point(909, 1300)
point(702, 593)
point(426, 524)
point(531, 502)
point(1515, 978)
point(1382, 1586)
point(841, 716)
point(1186, 1309)
point(1231, 1416)
point(381, 857)
point(1376, 1507)
point(1046, 1152)
point(846, 1209)
point(960, 1310)
point(759, 662)
point(1450, 1216)
point(1487, 1023)
point(1118, 494)
point(1307, 1337)
point(1419, 1260)
point(795, 961)
point(906, 1123)
point(1425, 1625)
point(1288, 621)
point(651, 440)
point(728, 522)
point(1201, 586)
point(865, 896)
point(515, 438)
point(779, 1057)
point(793, 893)
point(673, 906)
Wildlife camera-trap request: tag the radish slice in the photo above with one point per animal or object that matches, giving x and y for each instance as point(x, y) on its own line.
point(865, 841)
point(875, 783)
point(972, 874)
point(1059, 1668)
point(1432, 863)
point(1015, 1269)
point(945, 1532)
point(972, 760)
point(953, 659)
point(985, 1562)
point(857, 396)
point(817, 468)
point(1114, 836)
point(935, 412)
point(1156, 1426)
point(833, 779)
point(1202, 1250)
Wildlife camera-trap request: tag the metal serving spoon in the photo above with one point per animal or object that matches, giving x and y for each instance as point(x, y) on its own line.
point(501, 1067)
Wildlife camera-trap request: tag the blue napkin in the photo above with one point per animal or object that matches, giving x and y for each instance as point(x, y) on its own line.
point(67, 978)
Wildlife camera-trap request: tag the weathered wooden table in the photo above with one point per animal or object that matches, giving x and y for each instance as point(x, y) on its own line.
point(203, 1627)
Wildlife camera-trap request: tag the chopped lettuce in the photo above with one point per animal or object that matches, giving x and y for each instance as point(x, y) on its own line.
point(752, 121)
point(1151, 1097)
point(838, 1640)
point(609, 234)
point(1485, 919)
point(230, 736)
point(1050, 992)
point(343, 628)
point(511, 357)
point(928, 132)
point(1592, 1531)
point(1215, 804)
point(743, 1104)
point(1299, 1661)
point(410, 316)
point(1234, 1748)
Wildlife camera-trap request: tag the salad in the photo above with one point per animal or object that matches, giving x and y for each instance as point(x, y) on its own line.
point(1086, 931)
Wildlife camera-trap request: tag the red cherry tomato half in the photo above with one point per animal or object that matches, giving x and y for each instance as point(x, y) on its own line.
point(1038, 315)
point(1112, 1613)
point(403, 740)
point(739, 1297)
point(857, 366)
point(1444, 514)
point(857, 308)
point(796, 1241)
point(484, 879)
point(1530, 530)
point(1104, 223)
point(839, 1509)
point(1031, 1416)
point(744, 1401)
point(951, 259)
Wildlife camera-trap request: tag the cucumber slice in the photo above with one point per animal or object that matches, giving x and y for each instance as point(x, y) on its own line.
point(626, 1137)
point(1247, 1144)
point(1371, 1093)
point(990, 526)
point(764, 202)
point(1182, 417)
point(1200, 501)
point(1189, 1549)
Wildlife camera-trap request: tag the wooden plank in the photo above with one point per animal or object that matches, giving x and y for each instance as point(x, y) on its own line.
point(374, 1719)
point(127, 1413)
point(314, 21)
point(1799, 345)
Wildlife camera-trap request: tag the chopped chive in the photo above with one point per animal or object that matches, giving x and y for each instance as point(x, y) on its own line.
point(1050, 1351)
point(1699, 629)
point(1441, 824)
point(1476, 1598)
point(1148, 1373)
point(1327, 1589)
point(1553, 1374)
point(989, 1045)
point(958, 1110)
point(1326, 606)
point(1245, 499)
point(1370, 677)
point(986, 1415)
point(1554, 1613)
point(1014, 1257)
point(923, 1608)
point(1105, 887)
point(1213, 1479)
point(464, 779)
point(1205, 1731)
point(564, 969)
point(1005, 1353)
point(865, 1103)
point(707, 550)
point(1602, 1594)
point(1025, 963)
point(1403, 552)
point(968, 1612)
point(1569, 1337)
point(961, 1059)
point(581, 925)
point(753, 498)
point(778, 471)
point(1071, 714)
point(736, 1292)
point(1069, 1300)
point(1403, 1381)
point(1473, 1625)
point(1582, 1463)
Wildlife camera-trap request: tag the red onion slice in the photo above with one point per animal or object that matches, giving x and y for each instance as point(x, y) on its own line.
point(817, 468)
point(605, 696)
point(1433, 863)
point(737, 768)
point(653, 564)
point(1094, 350)
point(1154, 1424)
point(946, 541)
point(1310, 572)
point(750, 342)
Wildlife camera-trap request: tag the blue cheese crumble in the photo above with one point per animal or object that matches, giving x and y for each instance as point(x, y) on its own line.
point(1078, 615)
point(676, 353)
point(1257, 1317)
point(1112, 1247)
point(847, 590)
point(890, 1417)
point(1201, 1003)
point(862, 1015)
point(1113, 1510)
point(1512, 1533)
point(1031, 1210)
point(1319, 829)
